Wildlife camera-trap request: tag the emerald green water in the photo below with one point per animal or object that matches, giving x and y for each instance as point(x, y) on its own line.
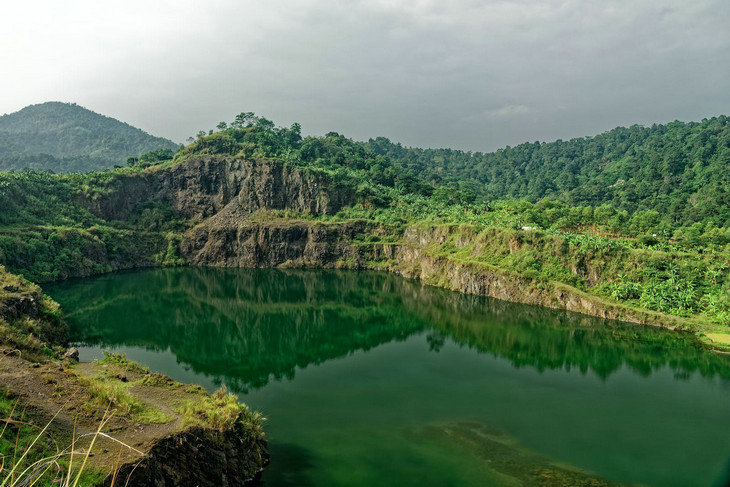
point(370, 379)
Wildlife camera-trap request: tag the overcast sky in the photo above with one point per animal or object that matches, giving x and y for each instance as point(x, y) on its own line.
point(466, 74)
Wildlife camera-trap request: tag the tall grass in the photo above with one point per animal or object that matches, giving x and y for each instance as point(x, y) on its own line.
point(34, 463)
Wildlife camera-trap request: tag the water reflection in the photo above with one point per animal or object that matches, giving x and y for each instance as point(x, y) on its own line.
point(250, 326)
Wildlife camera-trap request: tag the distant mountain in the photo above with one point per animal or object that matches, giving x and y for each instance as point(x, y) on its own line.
point(65, 137)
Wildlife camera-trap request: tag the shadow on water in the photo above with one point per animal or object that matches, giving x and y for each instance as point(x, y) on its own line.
point(299, 467)
point(723, 480)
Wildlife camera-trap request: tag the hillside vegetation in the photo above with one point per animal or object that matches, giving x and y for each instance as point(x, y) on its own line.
point(679, 170)
point(65, 137)
point(637, 257)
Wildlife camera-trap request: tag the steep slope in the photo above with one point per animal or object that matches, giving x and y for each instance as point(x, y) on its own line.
point(64, 137)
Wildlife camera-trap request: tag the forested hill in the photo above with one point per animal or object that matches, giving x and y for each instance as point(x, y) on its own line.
point(64, 137)
point(681, 170)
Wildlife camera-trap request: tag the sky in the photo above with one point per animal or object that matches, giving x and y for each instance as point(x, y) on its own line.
point(473, 75)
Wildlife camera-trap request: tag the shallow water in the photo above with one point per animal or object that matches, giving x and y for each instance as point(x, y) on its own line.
point(370, 379)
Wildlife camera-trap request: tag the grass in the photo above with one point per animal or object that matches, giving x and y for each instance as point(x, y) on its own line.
point(121, 361)
point(32, 454)
point(103, 391)
point(722, 339)
point(653, 282)
point(221, 411)
point(111, 389)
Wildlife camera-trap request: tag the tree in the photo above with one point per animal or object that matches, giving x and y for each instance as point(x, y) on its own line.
point(264, 123)
point(156, 156)
point(243, 120)
point(221, 126)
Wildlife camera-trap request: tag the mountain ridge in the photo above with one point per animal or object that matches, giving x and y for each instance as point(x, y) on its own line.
point(66, 137)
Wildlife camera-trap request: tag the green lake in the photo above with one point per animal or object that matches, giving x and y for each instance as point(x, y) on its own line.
point(370, 379)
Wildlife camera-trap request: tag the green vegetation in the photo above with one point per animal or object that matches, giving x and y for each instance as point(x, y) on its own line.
point(655, 202)
point(221, 411)
point(32, 454)
point(668, 253)
point(206, 315)
point(38, 337)
point(52, 396)
point(676, 172)
point(672, 279)
point(64, 137)
point(637, 216)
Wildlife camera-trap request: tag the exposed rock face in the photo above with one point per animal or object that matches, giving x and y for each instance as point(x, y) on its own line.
point(24, 305)
point(19, 304)
point(72, 354)
point(251, 244)
point(309, 244)
point(413, 261)
point(204, 186)
point(198, 457)
point(222, 193)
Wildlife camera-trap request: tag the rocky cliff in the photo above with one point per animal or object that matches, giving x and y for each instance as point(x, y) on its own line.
point(286, 243)
point(227, 187)
point(223, 198)
point(416, 258)
point(197, 457)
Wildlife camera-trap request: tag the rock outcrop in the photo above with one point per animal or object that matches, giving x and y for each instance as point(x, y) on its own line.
point(202, 187)
point(25, 310)
point(197, 457)
point(315, 244)
point(274, 244)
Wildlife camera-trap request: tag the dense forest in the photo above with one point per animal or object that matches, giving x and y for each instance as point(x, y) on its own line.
point(621, 180)
point(64, 137)
point(652, 179)
point(679, 170)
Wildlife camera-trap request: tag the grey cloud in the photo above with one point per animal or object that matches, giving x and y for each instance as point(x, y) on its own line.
point(466, 74)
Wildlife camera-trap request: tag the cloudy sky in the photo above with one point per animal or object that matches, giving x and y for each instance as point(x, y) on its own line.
point(467, 74)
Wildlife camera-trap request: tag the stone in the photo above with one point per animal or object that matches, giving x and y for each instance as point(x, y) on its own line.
point(72, 354)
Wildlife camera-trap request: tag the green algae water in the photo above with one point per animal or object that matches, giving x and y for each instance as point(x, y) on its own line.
point(370, 379)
